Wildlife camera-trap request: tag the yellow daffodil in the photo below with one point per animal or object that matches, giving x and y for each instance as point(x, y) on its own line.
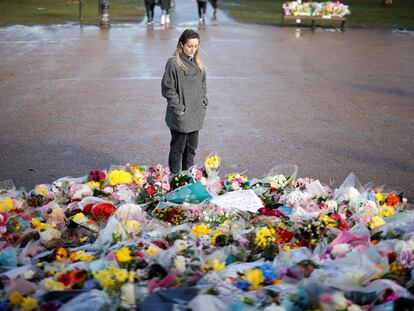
point(218, 266)
point(106, 282)
point(131, 276)
point(212, 163)
point(53, 285)
point(380, 198)
point(329, 222)
point(121, 275)
point(123, 254)
point(200, 230)
point(376, 222)
point(151, 251)
point(41, 189)
point(119, 177)
point(29, 303)
point(95, 184)
point(254, 277)
point(131, 226)
point(79, 218)
point(265, 236)
point(386, 211)
point(6, 205)
point(15, 298)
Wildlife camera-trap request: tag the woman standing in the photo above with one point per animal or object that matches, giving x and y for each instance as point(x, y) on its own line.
point(184, 87)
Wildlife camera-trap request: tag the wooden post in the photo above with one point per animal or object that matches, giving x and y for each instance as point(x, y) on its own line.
point(81, 12)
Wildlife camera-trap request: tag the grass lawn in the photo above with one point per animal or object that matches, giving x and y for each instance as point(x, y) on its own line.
point(364, 13)
point(32, 12)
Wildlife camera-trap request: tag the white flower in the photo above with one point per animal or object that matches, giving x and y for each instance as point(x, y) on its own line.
point(180, 245)
point(180, 264)
point(354, 307)
point(49, 234)
point(404, 246)
point(29, 274)
point(341, 249)
point(332, 205)
point(277, 181)
point(339, 301)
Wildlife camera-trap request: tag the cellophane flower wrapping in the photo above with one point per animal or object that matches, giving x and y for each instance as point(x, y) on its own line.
point(278, 241)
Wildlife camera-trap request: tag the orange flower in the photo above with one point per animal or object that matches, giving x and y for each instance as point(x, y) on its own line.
point(60, 253)
point(78, 276)
point(392, 199)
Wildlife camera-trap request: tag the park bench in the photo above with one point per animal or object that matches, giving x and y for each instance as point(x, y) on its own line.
point(314, 19)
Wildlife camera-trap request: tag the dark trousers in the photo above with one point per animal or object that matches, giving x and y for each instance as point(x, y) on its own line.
point(150, 11)
point(182, 150)
point(202, 6)
point(214, 4)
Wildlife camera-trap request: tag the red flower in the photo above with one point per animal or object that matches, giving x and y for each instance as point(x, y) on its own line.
point(87, 209)
point(343, 226)
point(78, 276)
point(97, 175)
point(103, 210)
point(65, 279)
point(392, 257)
point(151, 190)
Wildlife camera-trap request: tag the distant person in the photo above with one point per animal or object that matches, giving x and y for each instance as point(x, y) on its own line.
point(214, 5)
point(165, 15)
point(184, 87)
point(202, 7)
point(149, 7)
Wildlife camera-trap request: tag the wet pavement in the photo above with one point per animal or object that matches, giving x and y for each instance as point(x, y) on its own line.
point(77, 98)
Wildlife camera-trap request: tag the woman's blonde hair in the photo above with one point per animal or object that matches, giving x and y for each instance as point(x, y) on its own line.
point(187, 35)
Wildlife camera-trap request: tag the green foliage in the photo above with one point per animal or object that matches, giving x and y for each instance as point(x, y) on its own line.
point(364, 13)
point(32, 12)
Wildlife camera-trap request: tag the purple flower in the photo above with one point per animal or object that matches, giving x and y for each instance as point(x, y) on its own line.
point(276, 198)
point(406, 259)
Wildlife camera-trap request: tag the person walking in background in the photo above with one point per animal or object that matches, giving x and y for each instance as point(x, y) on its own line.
point(184, 86)
point(202, 7)
point(165, 8)
point(149, 7)
point(214, 5)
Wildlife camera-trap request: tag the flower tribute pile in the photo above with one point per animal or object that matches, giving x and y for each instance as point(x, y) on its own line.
point(325, 9)
point(136, 237)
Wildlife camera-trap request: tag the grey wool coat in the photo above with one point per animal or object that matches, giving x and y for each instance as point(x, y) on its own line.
point(185, 91)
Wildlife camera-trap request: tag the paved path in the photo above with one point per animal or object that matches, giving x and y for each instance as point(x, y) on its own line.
point(73, 99)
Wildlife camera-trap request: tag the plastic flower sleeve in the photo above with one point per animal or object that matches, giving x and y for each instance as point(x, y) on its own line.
point(207, 303)
point(292, 257)
point(94, 300)
point(290, 171)
point(112, 229)
point(402, 222)
point(193, 193)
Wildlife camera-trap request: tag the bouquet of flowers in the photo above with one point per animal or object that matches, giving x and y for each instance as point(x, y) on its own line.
point(236, 181)
point(327, 8)
point(171, 213)
point(180, 180)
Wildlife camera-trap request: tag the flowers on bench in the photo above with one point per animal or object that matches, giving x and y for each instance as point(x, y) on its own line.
point(317, 9)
